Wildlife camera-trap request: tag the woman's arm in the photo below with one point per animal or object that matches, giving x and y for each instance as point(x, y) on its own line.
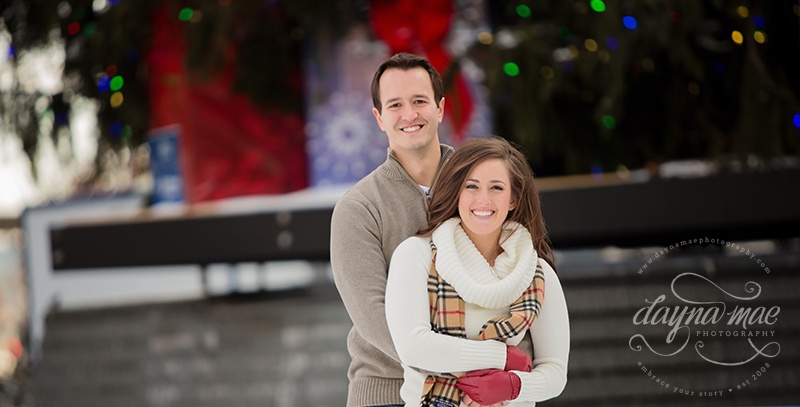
point(551, 336)
point(408, 317)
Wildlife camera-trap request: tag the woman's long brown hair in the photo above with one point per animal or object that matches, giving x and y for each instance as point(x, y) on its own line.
point(450, 181)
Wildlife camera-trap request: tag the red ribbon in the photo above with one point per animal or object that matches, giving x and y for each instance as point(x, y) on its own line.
point(421, 27)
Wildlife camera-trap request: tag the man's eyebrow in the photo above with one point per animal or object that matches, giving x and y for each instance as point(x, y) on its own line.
point(396, 99)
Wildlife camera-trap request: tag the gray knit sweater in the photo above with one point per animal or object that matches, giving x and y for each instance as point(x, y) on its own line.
point(368, 223)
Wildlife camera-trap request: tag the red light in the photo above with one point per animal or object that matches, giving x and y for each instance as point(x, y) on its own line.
point(74, 28)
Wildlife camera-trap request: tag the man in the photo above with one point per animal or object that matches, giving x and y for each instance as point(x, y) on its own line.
point(379, 212)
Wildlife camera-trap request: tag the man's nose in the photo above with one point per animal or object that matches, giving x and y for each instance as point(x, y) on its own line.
point(408, 112)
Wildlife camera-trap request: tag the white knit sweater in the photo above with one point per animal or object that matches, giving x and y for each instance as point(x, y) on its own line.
point(485, 296)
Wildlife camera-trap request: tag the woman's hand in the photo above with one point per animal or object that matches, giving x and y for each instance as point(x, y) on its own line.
point(517, 360)
point(490, 386)
point(472, 403)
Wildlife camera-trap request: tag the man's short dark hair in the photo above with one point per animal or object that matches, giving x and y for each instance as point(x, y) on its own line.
point(405, 61)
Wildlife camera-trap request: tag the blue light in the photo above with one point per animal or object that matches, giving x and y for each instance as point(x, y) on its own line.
point(758, 21)
point(61, 119)
point(11, 51)
point(796, 120)
point(596, 171)
point(612, 43)
point(116, 129)
point(103, 84)
point(629, 22)
point(719, 68)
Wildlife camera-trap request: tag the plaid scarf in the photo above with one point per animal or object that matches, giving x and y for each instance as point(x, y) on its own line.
point(447, 317)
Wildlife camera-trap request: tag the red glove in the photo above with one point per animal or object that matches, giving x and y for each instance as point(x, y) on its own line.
point(517, 360)
point(490, 386)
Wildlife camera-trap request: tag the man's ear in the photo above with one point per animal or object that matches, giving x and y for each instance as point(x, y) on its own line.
point(378, 118)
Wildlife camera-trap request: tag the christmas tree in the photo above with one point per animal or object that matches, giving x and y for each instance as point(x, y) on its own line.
point(597, 86)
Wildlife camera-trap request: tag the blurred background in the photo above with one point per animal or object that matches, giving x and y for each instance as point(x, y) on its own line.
point(168, 169)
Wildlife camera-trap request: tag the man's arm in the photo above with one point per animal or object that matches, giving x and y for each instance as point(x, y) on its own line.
point(359, 271)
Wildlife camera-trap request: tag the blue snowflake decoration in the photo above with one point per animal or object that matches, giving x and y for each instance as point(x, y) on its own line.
point(344, 143)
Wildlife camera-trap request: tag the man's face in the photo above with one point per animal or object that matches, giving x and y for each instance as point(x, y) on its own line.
point(409, 114)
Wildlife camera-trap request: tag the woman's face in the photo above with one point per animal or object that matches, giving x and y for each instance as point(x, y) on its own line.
point(485, 200)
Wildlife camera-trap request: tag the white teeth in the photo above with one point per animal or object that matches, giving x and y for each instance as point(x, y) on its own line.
point(412, 128)
point(482, 213)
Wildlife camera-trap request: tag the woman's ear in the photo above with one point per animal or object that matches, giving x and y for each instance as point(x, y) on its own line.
point(512, 206)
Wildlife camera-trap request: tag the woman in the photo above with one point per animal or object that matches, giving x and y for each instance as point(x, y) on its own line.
point(484, 256)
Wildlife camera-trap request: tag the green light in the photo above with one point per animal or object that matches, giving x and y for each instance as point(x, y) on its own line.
point(185, 14)
point(609, 121)
point(116, 83)
point(523, 11)
point(89, 29)
point(511, 69)
point(127, 133)
point(564, 32)
point(598, 5)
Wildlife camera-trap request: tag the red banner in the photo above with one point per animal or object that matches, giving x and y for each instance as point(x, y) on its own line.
point(229, 146)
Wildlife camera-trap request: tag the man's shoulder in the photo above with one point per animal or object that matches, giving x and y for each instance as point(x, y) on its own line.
point(364, 194)
point(363, 188)
point(380, 181)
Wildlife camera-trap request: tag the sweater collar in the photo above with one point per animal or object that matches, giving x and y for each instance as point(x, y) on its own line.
point(393, 169)
point(460, 263)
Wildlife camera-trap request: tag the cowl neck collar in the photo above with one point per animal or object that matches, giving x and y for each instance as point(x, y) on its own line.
point(460, 263)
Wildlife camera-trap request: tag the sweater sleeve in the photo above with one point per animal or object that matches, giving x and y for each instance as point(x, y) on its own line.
point(408, 316)
point(359, 271)
point(551, 336)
